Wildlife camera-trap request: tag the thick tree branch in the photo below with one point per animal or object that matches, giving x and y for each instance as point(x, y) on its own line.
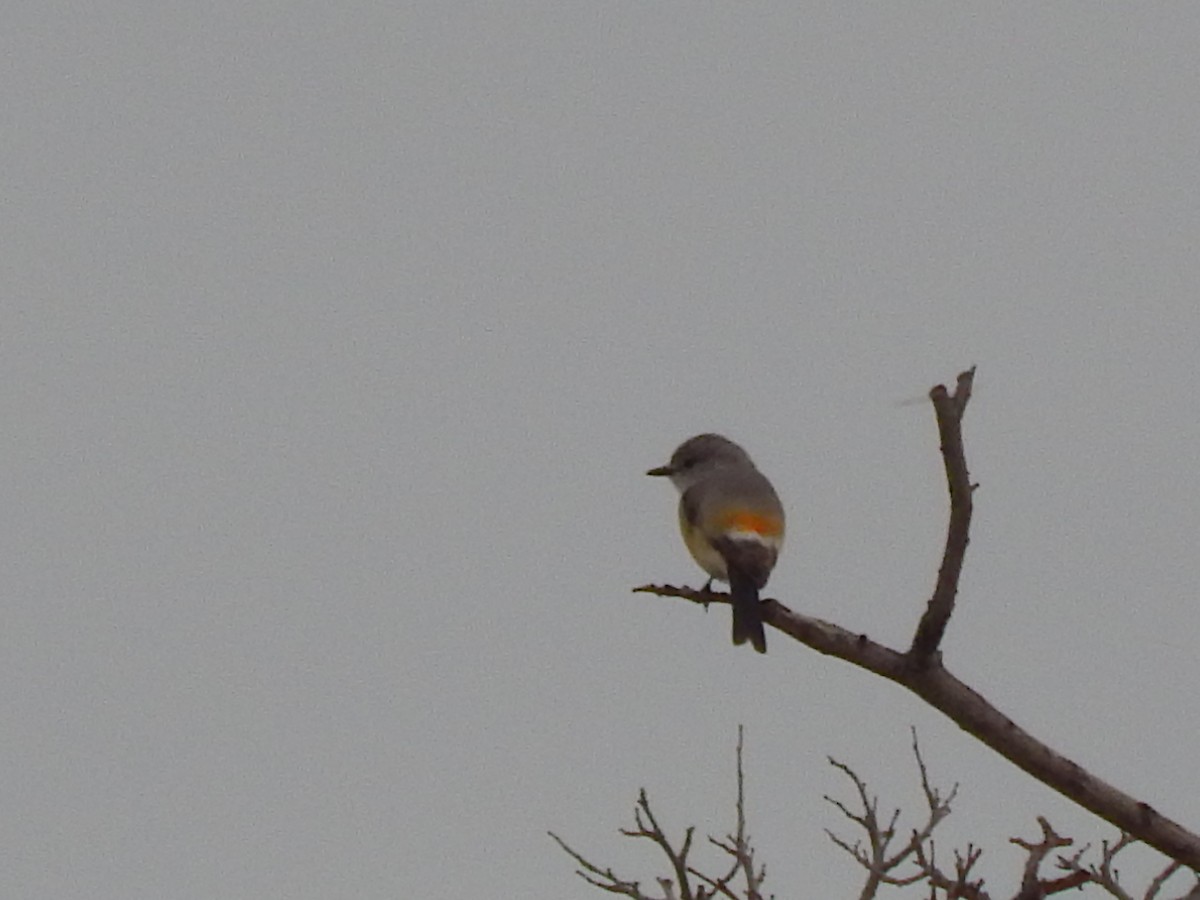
point(971, 712)
point(921, 671)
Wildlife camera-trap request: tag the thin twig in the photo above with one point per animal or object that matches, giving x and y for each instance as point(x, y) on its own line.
point(1032, 888)
point(681, 886)
point(882, 867)
point(601, 878)
point(1161, 879)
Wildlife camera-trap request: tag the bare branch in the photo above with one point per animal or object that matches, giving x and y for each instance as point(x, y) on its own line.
point(1032, 887)
point(1104, 875)
point(949, 409)
point(1161, 879)
point(737, 845)
point(882, 867)
point(938, 809)
point(642, 814)
point(681, 887)
point(921, 671)
point(961, 885)
point(601, 878)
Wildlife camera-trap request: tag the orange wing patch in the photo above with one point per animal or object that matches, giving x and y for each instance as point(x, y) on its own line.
point(742, 520)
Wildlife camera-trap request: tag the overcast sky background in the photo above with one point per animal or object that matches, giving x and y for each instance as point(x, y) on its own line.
point(337, 339)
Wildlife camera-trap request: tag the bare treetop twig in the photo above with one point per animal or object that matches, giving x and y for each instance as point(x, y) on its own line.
point(689, 882)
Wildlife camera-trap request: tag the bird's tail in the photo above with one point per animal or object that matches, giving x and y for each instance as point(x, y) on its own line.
point(747, 620)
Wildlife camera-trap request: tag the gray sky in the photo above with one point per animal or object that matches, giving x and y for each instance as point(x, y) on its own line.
point(337, 340)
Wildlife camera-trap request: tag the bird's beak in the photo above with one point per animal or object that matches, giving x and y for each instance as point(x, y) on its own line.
point(662, 470)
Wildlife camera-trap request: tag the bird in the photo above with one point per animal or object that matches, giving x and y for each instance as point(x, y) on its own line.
point(732, 523)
